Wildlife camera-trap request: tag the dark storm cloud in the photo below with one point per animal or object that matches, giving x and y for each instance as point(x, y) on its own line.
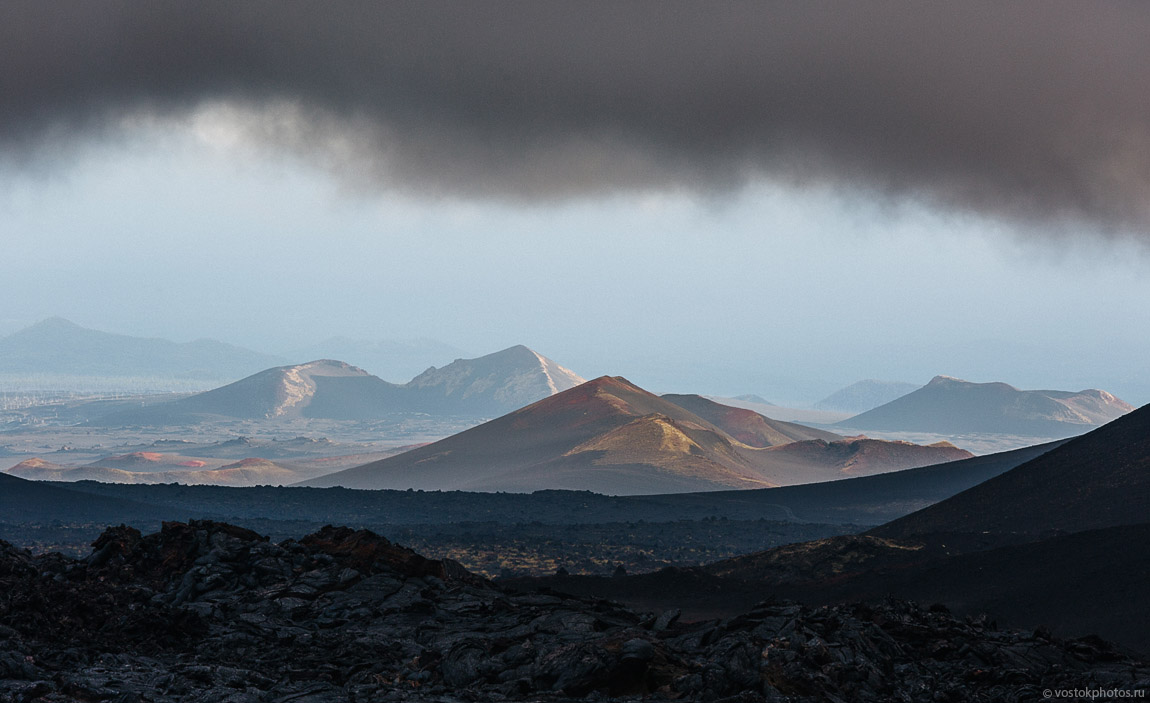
point(1037, 109)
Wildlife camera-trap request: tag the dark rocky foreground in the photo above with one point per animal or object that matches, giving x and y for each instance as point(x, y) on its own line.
point(210, 612)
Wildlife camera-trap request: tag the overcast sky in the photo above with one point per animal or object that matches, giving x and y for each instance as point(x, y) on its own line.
point(772, 199)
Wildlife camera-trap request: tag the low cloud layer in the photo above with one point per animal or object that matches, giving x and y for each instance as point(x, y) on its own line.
point(1034, 111)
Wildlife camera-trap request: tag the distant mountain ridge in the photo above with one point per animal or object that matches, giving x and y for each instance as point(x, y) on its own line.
point(949, 405)
point(489, 386)
point(865, 395)
point(57, 346)
point(610, 436)
point(390, 359)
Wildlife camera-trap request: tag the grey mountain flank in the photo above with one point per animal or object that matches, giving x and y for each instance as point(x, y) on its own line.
point(57, 346)
point(754, 398)
point(949, 405)
point(610, 436)
point(391, 359)
point(861, 396)
point(489, 386)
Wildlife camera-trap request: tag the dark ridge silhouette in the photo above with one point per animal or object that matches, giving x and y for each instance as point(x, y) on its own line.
point(33, 501)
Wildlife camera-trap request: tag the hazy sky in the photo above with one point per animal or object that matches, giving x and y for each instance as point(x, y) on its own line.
point(777, 199)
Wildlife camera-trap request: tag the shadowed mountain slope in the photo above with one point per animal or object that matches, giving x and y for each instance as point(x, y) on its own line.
point(748, 426)
point(1101, 479)
point(864, 395)
point(865, 500)
point(951, 406)
point(57, 346)
point(610, 436)
point(1002, 546)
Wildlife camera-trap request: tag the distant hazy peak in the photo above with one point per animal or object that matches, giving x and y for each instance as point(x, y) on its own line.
point(949, 405)
point(867, 394)
point(59, 346)
point(753, 398)
point(55, 322)
point(58, 325)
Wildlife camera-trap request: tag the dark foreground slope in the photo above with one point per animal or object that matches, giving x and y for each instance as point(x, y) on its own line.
point(1101, 479)
point(1093, 582)
point(1062, 540)
point(211, 612)
point(1088, 583)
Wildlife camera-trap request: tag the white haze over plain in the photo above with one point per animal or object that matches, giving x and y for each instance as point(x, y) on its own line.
point(787, 292)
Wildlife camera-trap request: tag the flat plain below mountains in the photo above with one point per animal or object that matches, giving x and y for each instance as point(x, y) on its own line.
point(606, 435)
